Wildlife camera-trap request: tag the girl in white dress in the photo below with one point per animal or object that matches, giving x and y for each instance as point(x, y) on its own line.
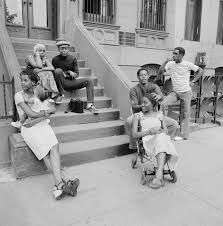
point(38, 134)
point(156, 140)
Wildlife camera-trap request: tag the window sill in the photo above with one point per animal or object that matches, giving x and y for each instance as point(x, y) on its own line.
point(156, 33)
point(101, 25)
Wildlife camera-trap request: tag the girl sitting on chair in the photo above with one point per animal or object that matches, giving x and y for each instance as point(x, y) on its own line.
point(155, 140)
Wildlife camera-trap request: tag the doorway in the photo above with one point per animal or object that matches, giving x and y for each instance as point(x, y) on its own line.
point(35, 19)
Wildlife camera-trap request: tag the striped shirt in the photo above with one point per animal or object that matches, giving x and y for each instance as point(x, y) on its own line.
point(180, 74)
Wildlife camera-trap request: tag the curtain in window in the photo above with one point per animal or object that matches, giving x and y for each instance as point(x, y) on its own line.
point(220, 25)
point(193, 20)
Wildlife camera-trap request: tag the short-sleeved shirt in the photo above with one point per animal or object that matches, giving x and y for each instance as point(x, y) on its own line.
point(37, 105)
point(180, 74)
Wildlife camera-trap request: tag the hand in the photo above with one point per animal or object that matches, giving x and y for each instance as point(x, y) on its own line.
point(28, 123)
point(157, 97)
point(191, 83)
point(169, 59)
point(73, 74)
point(51, 111)
point(37, 70)
point(37, 53)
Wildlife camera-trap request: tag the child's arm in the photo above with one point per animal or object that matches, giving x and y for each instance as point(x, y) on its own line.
point(23, 118)
point(31, 122)
point(163, 125)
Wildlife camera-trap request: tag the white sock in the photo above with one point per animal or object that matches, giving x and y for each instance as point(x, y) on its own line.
point(89, 105)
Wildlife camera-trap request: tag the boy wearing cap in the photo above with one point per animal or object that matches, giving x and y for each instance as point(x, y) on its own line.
point(66, 75)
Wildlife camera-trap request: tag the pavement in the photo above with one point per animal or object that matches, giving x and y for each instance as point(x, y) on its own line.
point(110, 193)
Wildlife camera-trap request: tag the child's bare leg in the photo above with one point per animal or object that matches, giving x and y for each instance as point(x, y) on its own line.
point(161, 159)
point(55, 163)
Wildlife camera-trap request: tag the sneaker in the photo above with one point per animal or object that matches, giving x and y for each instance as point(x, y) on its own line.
point(93, 109)
point(51, 100)
point(16, 124)
point(177, 138)
point(58, 191)
point(59, 100)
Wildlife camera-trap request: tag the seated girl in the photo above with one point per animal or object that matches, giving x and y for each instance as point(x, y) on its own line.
point(39, 135)
point(155, 140)
point(42, 66)
point(37, 104)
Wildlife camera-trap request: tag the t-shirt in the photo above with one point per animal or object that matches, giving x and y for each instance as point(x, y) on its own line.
point(180, 74)
point(66, 63)
point(37, 105)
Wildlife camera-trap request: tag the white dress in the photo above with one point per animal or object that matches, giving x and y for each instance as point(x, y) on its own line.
point(40, 138)
point(155, 144)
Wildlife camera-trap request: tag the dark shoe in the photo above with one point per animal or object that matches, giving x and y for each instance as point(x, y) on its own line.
point(71, 187)
point(93, 109)
point(59, 100)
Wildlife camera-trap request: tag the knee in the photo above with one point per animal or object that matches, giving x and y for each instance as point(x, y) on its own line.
point(58, 72)
point(89, 82)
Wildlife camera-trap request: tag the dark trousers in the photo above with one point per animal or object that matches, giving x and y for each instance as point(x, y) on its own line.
point(78, 83)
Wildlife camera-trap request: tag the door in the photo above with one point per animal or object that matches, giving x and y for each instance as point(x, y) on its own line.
point(31, 18)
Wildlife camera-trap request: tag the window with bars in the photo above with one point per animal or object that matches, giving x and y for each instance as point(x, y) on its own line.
point(153, 14)
point(99, 11)
point(219, 39)
point(193, 20)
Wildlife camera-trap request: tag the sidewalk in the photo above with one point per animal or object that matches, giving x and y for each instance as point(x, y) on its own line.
point(110, 192)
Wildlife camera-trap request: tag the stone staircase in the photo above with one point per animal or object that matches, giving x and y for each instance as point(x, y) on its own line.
point(83, 137)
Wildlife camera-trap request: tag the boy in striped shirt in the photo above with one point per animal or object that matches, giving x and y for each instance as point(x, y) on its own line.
point(180, 75)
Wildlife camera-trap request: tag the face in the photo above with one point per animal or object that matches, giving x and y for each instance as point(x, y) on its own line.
point(143, 77)
point(42, 52)
point(64, 50)
point(26, 83)
point(147, 105)
point(177, 57)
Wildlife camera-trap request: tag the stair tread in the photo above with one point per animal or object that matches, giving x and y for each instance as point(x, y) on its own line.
point(77, 127)
point(34, 41)
point(70, 114)
point(97, 98)
point(87, 145)
point(87, 126)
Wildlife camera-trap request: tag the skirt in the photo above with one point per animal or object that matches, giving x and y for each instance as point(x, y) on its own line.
point(155, 144)
point(40, 138)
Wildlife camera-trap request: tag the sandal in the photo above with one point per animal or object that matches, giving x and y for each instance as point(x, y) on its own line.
point(58, 190)
point(71, 187)
point(156, 183)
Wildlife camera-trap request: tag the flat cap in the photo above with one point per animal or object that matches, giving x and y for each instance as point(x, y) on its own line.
point(62, 42)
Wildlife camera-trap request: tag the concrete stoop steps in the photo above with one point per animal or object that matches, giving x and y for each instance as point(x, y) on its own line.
point(83, 137)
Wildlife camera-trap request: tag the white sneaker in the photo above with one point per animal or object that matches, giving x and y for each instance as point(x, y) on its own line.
point(177, 138)
point(16, 124)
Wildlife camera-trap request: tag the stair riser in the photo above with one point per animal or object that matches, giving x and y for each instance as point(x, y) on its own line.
point(25, 167)
point(74, 118)
point(71, 136)
point(29, 47)
point(95, 155)
point(90, 134)
point(80, 63)
point(82, 92)
point(21, 57)
point(85, 72)
point(98, 104)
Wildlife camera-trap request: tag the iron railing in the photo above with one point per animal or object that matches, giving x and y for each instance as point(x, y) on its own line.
point(153, 14)
point(99, 11)
point(7, 110)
